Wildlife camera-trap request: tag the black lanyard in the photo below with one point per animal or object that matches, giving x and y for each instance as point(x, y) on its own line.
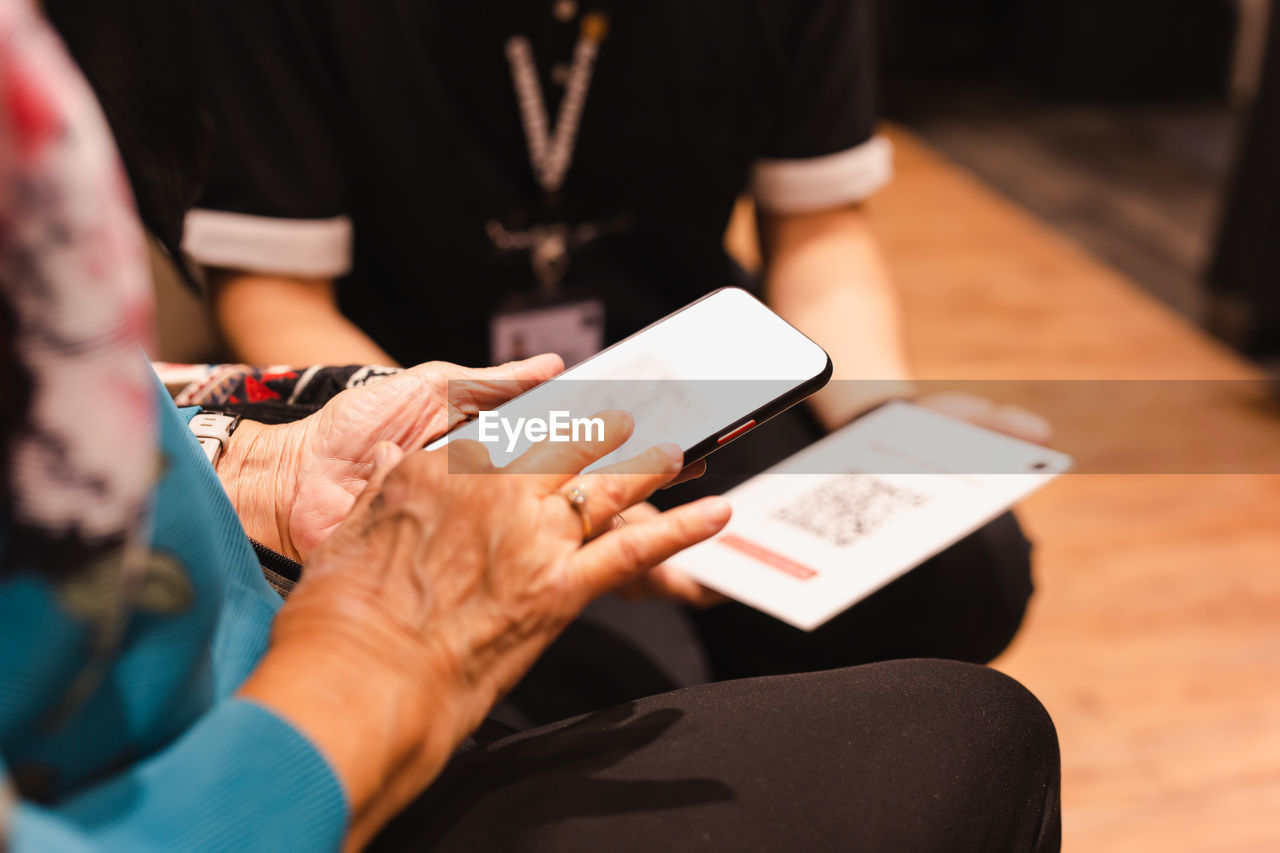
point(550, 148)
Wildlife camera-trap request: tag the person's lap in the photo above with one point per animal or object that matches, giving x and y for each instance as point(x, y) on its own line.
point(904, 755)
point(963, 604)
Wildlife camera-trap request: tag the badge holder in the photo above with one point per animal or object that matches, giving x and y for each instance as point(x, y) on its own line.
point(571, 328)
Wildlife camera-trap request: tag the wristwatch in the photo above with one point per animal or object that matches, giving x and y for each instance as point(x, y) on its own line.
point(213, 430)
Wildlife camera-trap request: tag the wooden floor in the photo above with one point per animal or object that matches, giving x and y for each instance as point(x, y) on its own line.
point(1140, 186)
point(1154, 638)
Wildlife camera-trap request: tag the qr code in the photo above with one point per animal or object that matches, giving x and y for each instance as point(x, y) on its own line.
point(842, 510)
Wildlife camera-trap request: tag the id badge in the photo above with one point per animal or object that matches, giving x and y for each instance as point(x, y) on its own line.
point(572, 330)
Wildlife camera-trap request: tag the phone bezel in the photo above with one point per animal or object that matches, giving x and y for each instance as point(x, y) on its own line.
point(706, 446)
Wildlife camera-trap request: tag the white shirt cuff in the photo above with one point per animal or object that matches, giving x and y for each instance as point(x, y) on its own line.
point(303, 248)
point(819, 183)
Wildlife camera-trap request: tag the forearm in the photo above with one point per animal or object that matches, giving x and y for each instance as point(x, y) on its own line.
point(317, 747)
point(240, 778)
point(825, 275)
point(276, 320)
point(386, 735)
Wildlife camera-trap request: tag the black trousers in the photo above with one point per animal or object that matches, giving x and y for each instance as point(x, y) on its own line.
point(892, 755)
point(919, 755)
point(964, 604)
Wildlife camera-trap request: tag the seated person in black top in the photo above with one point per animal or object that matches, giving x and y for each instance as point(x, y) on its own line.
point(407, 181)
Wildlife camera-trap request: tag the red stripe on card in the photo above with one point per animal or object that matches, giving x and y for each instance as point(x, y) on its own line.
point(772, 559)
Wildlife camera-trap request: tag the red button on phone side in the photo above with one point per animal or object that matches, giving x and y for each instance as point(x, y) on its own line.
point(730, 436)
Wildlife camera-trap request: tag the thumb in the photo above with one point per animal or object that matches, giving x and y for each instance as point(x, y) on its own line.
point(386, 456)
point(486, 387)
point(530, 371)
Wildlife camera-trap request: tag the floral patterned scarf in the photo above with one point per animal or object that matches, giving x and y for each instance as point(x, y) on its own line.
point(78, 456)
point(79, 419)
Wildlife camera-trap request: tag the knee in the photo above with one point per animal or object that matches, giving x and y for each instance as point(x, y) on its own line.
point(997, 743)
point(1006, 725)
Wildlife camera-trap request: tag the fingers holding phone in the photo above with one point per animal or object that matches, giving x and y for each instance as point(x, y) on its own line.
point(450, 568)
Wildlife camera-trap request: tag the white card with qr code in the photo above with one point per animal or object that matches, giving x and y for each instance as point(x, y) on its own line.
point(832, 524)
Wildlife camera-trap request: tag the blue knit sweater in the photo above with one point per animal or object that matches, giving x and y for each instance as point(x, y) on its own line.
point(160, 755)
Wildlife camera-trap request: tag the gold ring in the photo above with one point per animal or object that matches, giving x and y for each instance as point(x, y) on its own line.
point(577, 498)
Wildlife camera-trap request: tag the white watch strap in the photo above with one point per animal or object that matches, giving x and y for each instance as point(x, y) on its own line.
point(213, 431)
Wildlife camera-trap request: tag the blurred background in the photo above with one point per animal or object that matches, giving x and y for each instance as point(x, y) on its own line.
point(1090, 190)
point(1121, 123)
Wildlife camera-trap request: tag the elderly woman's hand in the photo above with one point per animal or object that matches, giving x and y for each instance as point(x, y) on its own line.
point(441, 588)
point(292, 484)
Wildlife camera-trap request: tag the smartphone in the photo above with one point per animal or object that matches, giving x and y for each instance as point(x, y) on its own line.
point(699, 378)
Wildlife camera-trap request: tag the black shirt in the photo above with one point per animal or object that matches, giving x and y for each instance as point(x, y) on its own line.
point(394, 127)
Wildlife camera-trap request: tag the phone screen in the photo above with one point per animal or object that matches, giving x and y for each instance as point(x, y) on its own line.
point(691, 379)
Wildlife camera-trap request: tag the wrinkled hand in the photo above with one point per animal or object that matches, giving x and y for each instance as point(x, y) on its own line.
point(440, 589)
point(292, 484)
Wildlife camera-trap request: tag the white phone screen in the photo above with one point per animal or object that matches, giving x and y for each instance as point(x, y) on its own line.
point(685, 379)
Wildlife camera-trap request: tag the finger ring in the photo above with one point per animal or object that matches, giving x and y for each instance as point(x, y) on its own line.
point(577, 498)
